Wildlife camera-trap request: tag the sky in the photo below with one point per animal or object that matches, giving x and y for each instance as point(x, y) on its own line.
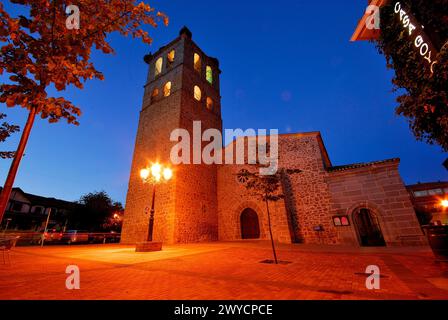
point(286, 64)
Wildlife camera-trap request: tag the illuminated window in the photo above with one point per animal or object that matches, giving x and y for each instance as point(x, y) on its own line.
point(209, 74)
point(423, 193)
point(154, 95)
point(341, 221)
point(209, 103)
point(434, 192)
point(344, 221)
point(170, 57)
point(158, 66)
point(197, 62)
point(337, 221)
point(167, 89)
point(197, 93)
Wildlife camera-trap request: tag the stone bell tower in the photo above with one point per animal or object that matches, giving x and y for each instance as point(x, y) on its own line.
point(182, 87)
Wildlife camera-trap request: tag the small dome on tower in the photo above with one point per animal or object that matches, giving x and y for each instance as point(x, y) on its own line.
point(147, 58)
point(185, 32)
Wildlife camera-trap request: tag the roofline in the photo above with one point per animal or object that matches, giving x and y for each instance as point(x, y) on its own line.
point(38, 196)
point(49, 198)
point(299, 134)
point(177, 39)
point(324, 151)
point(362, 165)
point(423, 184)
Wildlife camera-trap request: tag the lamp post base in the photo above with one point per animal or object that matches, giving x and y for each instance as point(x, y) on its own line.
point(148, 246)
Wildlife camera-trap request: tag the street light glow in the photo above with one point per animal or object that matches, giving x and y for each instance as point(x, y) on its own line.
point(167, 174)
point(156, 169)
point(157, 173)
point(144, 174)
point(444, 203)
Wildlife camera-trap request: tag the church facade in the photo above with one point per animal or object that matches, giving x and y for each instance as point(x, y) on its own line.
point(363, 204)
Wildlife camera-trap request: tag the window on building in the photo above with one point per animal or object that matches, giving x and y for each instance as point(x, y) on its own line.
point(154, 95)
point(197, 62)
point(434, 192)
point(423, 193)
point(446, 190)
point(197, 93)
point(167, 89)
point(38, 210)
point(209, 74)
point(158, 67)
point(17, 206)
point(170, 57)
point(243, 176)
point(337, 221)
point(209, 103)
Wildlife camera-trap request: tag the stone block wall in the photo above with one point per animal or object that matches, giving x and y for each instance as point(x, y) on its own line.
point(306, 206)
point(309, 197)
point(186, 206)
point(379, 188)
point(150, 146)
point(233, 198)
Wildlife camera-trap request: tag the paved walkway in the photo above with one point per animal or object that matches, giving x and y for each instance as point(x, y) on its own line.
point(222, 271)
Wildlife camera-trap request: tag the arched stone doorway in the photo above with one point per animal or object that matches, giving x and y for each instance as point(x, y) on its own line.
point(368, 228)
point(250, 226)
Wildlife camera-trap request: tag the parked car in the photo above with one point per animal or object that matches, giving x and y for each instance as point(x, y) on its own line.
point(52, 235)
point(75, 236)
point(96, 237)
point(113, 237)
point(110, 237)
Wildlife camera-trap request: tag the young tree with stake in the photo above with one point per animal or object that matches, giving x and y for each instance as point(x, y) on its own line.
point(266, 188)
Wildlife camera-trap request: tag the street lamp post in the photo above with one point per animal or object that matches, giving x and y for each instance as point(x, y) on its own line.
point(155, 175)
point(151, 214)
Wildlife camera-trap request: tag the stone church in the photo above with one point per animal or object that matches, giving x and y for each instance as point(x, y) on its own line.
point(363, 204)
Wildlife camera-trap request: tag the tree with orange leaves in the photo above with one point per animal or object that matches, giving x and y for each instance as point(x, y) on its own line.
point(40, 51)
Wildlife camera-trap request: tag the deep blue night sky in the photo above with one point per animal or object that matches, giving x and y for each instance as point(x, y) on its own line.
point(287, 64)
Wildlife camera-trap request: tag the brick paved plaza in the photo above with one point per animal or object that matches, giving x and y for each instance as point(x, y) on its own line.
point(222, 271)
